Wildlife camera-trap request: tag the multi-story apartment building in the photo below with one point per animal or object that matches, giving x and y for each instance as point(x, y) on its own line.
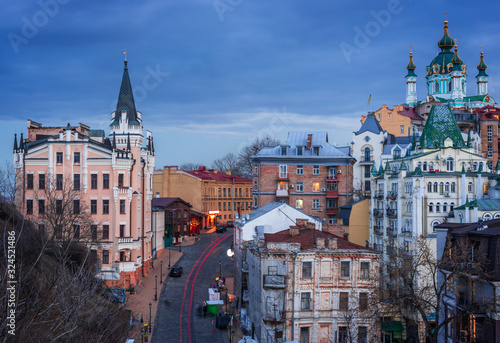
point(109, 178)
point(305, 172)
point(308, 285)
point(222, 197)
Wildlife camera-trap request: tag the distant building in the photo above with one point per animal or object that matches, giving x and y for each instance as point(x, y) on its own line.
point(112, 176)
point(221, 197)
point(307, 285)
point(305, 172)
point(354, 220)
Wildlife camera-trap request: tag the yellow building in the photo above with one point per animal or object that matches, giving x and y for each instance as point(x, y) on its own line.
point(401, 120)
point(354, 220)
point(221, 196)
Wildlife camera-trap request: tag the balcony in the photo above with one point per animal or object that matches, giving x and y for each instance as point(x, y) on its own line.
point(125, 266)
point(281, 192)
point(378, 212)
point(406, 232)
point(378, 230)
point(391, 232)
point(332, 194)
point(332, 211)
point(274, 281)
point(379, 194)
point(282, 176)
point(126, 243)
point(366, 159)
point(392, 195)
point(378, 246)
point(392, 212)
point(331, 177)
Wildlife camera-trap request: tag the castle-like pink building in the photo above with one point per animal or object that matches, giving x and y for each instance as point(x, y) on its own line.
point(110, 178)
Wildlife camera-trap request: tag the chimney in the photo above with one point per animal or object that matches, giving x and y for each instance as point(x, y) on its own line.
point(320, 243)
point(332, 244)
point(301, 222)
point(309, 141)
point(334, 229)
point(294, 231)
point(228, 172)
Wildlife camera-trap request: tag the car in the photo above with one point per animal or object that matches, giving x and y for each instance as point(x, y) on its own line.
point(230, 224)
point(220, 228)
point(176, 271)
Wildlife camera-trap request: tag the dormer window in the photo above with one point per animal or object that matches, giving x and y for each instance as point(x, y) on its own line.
point(397, 153)
point(283, 151)
point(300, 151)
point(316, 151)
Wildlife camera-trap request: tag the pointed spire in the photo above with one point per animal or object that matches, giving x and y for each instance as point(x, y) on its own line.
point(403, 165)
point(469, 140)
point(15, 142)
point(480, 169)
point(457, 61)
point(152, 145)
point(414, 141)
point(446, 42)
point(149, 144)
point(463, 169)
point(497, 168)
point(411, 66)
point(21, 142)
point(381, 169)
point(125, 100)
point(387, 166)
point(482, 66)
point(128, 142)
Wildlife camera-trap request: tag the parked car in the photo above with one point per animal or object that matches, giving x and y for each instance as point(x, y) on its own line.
point(230, 224)
point(176, 271)
point(221, 228)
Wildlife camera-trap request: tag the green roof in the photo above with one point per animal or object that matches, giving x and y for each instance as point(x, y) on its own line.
point(474, 98)
point(441, 125)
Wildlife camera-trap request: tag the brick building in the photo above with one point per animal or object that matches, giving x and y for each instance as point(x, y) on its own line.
point(220, 196)
point(305, 172)
point(108, 179)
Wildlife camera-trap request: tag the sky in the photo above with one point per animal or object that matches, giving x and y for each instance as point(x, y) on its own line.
point(210, 76)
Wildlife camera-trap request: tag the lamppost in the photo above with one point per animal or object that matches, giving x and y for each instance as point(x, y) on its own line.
point(149, 318)
point(168, 258)
point(220, 270)
point(156, 286)
point(161, 272)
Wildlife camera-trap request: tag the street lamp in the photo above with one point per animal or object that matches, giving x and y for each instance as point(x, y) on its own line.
point(161, 272)
point(168, 258)
point(220, 270)
point(156, 286)
point(149, 318)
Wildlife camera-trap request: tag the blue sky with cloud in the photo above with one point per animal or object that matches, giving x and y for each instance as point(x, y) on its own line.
point(209, 76)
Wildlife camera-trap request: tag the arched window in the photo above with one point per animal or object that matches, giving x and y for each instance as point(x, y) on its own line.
point(449, 86)
point(463, 86)
point(435, 188)
point(445, 207)
point(487, 216)
point(438, 207)
point(431, 207)
point(397, 153)
point(497, 215)
point(436, 87)
point(453, 188)
point(429, 187)
point(449, 164)
point(441, 188)
point(447, 187)
point(470, 187)
point(474, 166)
point(434, 223)
point(452, 206)
point(367, 154)
point(424, 167)
point(460, 217)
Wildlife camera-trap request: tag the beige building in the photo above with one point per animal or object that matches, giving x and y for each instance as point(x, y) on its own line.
point(222, 197)
point(355, 219)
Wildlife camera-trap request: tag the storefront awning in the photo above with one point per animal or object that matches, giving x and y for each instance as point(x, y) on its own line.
point(392, 326)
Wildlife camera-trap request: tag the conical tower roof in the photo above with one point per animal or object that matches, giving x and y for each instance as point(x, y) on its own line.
point(457, 61)
point(126, 100)
point(446, 42)
point(411, 66)
point(370, 124)
point(440, 125)
point(482, 66)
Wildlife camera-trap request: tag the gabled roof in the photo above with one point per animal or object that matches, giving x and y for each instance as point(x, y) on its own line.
point(440, 125)
point(410, 113)
point(211, 174)
point(126, 100)
point(165, 202)
point(266, 209)
point(370, 124)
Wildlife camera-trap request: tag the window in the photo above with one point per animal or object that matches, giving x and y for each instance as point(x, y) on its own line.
point(105, 206)
point(41, 206)
point(306, 270)
point(345, 269)
point(120, 180)
point(300, 170)
point(365, 270)
point(315, 170)
point(449, 164)
point(41, 228)
point(367, 185)
point(59, 157)
point(343, 333)
point(436, 87)
point(490, 151)
point(367, 171)
point(449, 86)
point(362, 334)
point(229, 192)
point(429, 187)
point(105, 181)
point(105, 231)
point(316, 151)
point(59, 181)
point(470, 188)
point(367, 154)
point(332, 220)
point(344, 301)
point(76, 230)
point(441, 188)
point(363, 301)
point(93, 206)
point(304, 335)
point(431, 207)
point(435, 187)
point(300, 187)
point(58, 231)
point(315, 204)
point(424, 166)
point(299, 203)
point(332, 171)
point(331, 203)
point(41, 181)
point(315, 186)
point(300, 151)
point(438, 207)
point(397, 153)
point(122, 206)
point(105, 256)
point(447, 187)
point(224, 192)
point(59, 207)
point(305, 301)
point(76, 206)
point(229, 206)
point(93, 231)
point(29, 206)
point(282, 172)
point(76, 181)
point(93, 181)
point(490, 133)
point(283, 151)
point(220, 206)
point(452, 188)
point(402, 129)
point(76, 157)
point(223, 206)
point(122, 230)
point(29, 181)
point(255, 186)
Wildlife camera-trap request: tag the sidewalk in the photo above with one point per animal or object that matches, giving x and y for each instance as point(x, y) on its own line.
point(144, 295)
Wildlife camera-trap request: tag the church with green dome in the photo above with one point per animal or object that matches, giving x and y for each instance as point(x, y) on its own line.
point(446, 78)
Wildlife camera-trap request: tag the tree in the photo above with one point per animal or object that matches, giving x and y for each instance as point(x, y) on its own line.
point(230, 162)
point(7, 184)
point(417, 284)
point(252, 149)
point(190, 166)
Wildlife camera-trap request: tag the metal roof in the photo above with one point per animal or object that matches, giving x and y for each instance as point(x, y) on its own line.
point(371, 124)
